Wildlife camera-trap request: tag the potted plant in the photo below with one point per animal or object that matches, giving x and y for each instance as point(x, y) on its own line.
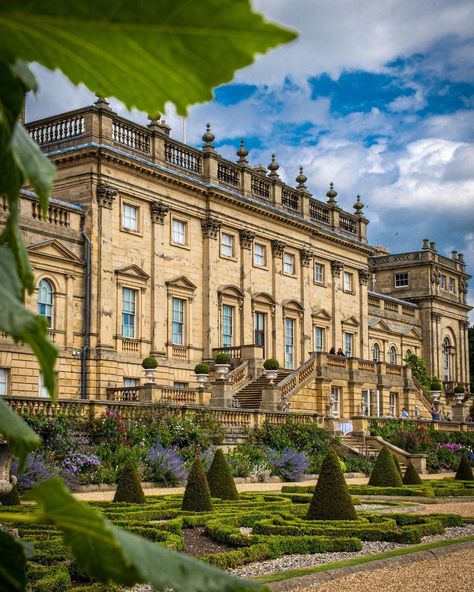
point(459, 393)
point(202, 373)
point(149, 365)
point(436, 388)
point(271, 369)
point(221, 365)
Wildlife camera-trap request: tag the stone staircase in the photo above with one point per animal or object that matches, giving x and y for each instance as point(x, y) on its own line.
point(250, 397)
point(366, 449)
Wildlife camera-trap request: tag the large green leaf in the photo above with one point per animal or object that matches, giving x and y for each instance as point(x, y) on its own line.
point(19, 322)
point(12, 565)
point(107, 553)
point(20, 437)
point(145, 53)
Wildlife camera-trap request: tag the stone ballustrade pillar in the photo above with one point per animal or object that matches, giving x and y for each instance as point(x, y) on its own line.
point(159, 133)
point(246, 180)
point(210, 160)
point(99, 121)
point(276, 193)
point(335, 211)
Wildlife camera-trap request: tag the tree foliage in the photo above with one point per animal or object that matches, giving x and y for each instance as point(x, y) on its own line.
point(145, 55)
point(419, 371)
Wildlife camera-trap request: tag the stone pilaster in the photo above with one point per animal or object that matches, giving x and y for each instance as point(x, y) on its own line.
point(246, 317)
point(210, 230)
point(364, 277)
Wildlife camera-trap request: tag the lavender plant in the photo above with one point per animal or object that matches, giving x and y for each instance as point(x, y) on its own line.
point(36, 471)
point(289, 464)
point(166, 465)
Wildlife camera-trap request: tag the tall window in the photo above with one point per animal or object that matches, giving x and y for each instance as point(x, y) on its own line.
point(45, 301)
point(42, 390)
point(348, 345)
point(227, 245)
point(347, 282)
point(319, 273)
point(393, 404)
point(376, 352)
point(442, 282)
point(393, 355)
point(227, 325)
point(365, 406)
point(336, 401)
point(446, 359)
point(3, 381)
point(129, 298)
point(259, 328)
point(177, 321)
point(129, 217)
point(401, 280)
point(178, 232)
point(289, 263)
point(452, 285)
point(289, 343)
point(259, 255)
point(319, 339)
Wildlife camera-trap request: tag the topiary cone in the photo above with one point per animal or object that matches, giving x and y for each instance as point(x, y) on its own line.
point(384, 473)
point(129, 489)
point(411, 476)
point(397, 464)
point(331, 499)
point(464, 471)
point(220, 480)
point(10, 499)
point(197, 497)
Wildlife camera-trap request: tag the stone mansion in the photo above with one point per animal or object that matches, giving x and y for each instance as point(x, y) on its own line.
point(153, 247)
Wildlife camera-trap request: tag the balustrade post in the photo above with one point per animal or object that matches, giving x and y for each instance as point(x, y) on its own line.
point(271, 398)
point(335, 211)
point(221, 394)
point(159, 133)
point(276, 194)
point(102, 120)
point(209, 165)
point(246, 181)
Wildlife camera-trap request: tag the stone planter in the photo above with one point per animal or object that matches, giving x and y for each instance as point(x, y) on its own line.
point(202, 378)
point(459, 397)
point(436, 395)
point(221, 371)
point(6, 484)
point(271, 375)
point(150, 374)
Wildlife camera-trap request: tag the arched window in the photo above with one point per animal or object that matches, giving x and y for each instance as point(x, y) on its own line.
point(446, 358)
point(376, 352)
point(46, 301)
point(409, 352)
point(393, 355)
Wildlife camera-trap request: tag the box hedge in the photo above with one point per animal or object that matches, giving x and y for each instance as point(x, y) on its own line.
point(220, 480)
point(385, 473)
point(197, 497)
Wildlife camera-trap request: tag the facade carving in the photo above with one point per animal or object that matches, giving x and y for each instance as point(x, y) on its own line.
point(159, 286)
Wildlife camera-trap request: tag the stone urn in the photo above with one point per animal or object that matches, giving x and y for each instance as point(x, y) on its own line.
point(221, 371)
point(202, 378)
point(271, 375)
point(6, 482)
point(436, 395)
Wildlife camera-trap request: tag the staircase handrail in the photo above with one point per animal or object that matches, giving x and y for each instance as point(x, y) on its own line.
point(297, 378)
point(422, 396)
point(239, 375)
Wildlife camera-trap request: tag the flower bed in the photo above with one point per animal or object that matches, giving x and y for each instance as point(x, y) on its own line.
point(254, 528)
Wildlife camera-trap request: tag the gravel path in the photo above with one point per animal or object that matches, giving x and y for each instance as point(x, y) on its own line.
point(465, 508)
point(368, 548)
point(451, 573)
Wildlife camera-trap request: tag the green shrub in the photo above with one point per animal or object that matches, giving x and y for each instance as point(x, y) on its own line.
point(150, 363)
point(271, 364)
point(459, 388)
point(222, 358)
point(384, 473)
point(464, 471)
point(435, 384)
point(57, 580)
point(331, 499)
point(197, 497)
point(10, 499)
point(201, 369)
point(411, 476)
point(220, 480)
point(129, 488)
point(397, 464)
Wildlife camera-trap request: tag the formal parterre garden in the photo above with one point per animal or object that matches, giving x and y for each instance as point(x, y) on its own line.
point(214, 523)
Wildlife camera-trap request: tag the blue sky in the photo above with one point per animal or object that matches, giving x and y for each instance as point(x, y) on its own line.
point(376, 96)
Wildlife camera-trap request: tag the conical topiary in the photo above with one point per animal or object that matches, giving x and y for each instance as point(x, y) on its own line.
point(411, 476)
point(464, 471)
point(331, 499)
point(197, 497)
point(129, 488)
point(220, 480)
point(397, 464)
point(10, 499)
point(384, 473)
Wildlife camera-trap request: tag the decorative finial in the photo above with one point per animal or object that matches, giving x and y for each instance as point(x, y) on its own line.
point(208, 137)
point(331, 194)
point(273, 167)
point(242, 153)
point(301, 179)
point(102, 102)
point(358, 206)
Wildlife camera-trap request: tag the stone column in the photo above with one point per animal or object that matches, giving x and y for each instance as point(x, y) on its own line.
point(435, 321)
point(306, 259)
point(336, 269)
point(364, 277)
point(246, 317)
point(158, 295)
point(278, 248)
point(210, 230)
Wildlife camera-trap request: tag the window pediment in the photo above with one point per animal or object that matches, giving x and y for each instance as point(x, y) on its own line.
point(351, 322)
point(182, 283)
point(132, 271)
point(321, 314)
point(53, 248)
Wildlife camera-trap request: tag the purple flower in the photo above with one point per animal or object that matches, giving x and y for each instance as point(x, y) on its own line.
point(289, 464)
point(166, 464)
point(36, 471)
point(79, 463)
